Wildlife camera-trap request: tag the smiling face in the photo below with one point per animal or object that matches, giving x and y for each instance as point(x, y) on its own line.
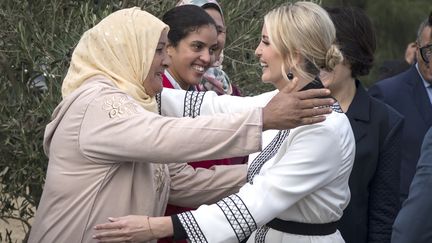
point(193, 55)
point(270, 61)
point(153, 81)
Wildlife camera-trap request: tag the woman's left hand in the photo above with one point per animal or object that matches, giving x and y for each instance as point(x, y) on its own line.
point(132, 228)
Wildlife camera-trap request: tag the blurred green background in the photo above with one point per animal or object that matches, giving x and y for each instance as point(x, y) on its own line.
point(36, 41)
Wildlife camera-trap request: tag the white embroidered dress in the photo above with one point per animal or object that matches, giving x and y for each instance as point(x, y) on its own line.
point(301, 175)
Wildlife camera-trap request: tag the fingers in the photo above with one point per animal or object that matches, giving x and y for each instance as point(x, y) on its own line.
point(116, 239)
point(312, 93)
point(107, 226)
point(308, 113)
point(290, 86)
point(312, 120)
point(316, 102)
point(112, 236)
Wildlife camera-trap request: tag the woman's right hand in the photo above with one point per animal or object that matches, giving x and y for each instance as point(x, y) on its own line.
point(133, 228)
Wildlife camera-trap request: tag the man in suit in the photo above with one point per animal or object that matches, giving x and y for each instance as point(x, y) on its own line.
point(410, 93)
point(413, 223)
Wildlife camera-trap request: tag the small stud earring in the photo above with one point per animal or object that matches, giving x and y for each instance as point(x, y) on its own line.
point(290, 75)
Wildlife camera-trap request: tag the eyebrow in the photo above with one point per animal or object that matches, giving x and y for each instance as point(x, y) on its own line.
point(197, 42)
point(220, 28)
point(203, 43)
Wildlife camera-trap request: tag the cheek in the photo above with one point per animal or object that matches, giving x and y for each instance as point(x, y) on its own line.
point(221, 41)
point(326, 78)
point(157, 86)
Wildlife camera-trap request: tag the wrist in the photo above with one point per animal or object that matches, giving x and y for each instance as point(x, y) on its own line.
point(161, 227)
point(265, 121)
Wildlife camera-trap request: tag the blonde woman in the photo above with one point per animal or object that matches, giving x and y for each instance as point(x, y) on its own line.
point(298, 185)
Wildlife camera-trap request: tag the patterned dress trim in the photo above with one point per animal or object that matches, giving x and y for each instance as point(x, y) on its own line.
point(269, 152)
point(238, 216)
point(261, 233)
point(192, 103)
point(191, 227)
point(159, 102)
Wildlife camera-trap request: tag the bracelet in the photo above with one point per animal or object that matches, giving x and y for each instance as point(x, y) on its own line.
point(151, 231)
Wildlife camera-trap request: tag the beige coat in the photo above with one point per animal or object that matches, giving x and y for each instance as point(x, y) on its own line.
point(107, 157)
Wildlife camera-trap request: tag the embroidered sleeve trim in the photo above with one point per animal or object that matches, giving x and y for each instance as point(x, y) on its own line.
point(261, 233)
point(192, 103)
point(191, 227)
point(238, 216)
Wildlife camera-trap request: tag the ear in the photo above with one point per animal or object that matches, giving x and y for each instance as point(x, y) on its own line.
point(298, 59)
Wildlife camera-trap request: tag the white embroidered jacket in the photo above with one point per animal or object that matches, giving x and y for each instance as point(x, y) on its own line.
point(301, 175)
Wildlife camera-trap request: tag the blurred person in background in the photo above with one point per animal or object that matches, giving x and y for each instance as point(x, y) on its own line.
point(375, 177)
point(215, 79)
point(410, 93)
point(413, 222)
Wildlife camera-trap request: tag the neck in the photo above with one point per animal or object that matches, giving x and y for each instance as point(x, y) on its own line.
point(183, 85)
point(345, 93)
point(300, 83)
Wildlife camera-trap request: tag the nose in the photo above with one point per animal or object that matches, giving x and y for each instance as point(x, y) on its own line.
point(207, 57)
point(258, 51)
point(166, 61)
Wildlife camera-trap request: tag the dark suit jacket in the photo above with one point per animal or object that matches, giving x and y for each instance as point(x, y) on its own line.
point(414, 223)
point(406, 94)
point(374, 180)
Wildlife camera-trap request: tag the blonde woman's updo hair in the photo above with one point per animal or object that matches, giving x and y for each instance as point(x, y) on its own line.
point(303, 29)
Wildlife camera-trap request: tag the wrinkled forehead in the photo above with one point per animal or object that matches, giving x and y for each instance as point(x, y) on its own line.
point(426, 36)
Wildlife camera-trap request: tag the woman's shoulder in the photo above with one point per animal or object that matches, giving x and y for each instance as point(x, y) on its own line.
point(335, 124)
point(98, 93)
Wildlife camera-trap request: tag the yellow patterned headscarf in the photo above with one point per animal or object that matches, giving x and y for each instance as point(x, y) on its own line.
point(121, 47)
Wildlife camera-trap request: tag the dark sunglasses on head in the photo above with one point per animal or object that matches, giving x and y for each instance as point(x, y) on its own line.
point(426, 52)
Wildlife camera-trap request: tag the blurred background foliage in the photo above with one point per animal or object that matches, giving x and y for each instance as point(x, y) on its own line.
point(37, 38)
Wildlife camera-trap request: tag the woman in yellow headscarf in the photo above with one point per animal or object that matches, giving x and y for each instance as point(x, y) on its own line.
point(120, 51)
point(107, 146)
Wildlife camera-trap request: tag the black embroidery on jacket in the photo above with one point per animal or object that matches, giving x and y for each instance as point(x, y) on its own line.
point(261, 234)
point(192, 103)
point(191, 227)
point(159, 102)
point(269, 152)
point(238, 216)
